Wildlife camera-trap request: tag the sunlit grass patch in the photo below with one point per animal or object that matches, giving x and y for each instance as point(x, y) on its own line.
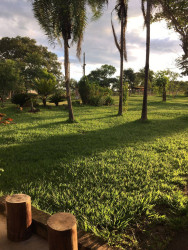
point(116, 174)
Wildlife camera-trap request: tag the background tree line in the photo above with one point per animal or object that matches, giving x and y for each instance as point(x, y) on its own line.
point(26, 67)
point(67, 20)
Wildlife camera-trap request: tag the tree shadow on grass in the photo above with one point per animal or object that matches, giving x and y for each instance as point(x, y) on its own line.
point(168, 104)
point(159, 105)
point(29, 161)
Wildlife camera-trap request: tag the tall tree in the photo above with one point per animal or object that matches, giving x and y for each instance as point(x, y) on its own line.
point(121, 9)
point(130, 77)
point(147, 20)
point(161, 80)
point(66, 19)
point(175, 12)
point(140, 77)
point(173, 76)
point(30, 57)
point(9, 76)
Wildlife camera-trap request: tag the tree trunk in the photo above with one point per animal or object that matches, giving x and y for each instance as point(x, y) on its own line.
point(148, 20)
point(44, 101)
point(120, 112)
point(67, 78)
point(32, 107)
point(164, 93)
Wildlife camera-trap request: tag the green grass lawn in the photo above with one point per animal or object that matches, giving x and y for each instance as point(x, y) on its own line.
point(121, 178)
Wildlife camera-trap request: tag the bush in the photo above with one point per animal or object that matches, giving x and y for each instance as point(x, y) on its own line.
point(56, 98)
point(186, 93)
point(96, 100)
point(76, 103)
point(92, 93)
point(20, 99)
point(109, 101)
point(84, 90)
point(32, 101)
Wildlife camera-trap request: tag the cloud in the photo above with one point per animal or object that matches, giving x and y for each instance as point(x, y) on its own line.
point(16, 18)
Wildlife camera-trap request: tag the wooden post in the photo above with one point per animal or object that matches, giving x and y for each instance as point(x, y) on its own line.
point(19, 217)
point(62, 232)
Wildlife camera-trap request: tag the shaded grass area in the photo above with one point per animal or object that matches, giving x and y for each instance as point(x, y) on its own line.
point(118, 175)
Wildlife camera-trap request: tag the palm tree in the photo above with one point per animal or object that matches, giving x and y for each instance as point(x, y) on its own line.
point(121, 10)
point(147, 22)
point(66, 19)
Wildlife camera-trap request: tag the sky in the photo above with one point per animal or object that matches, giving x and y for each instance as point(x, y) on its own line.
point(16, 18)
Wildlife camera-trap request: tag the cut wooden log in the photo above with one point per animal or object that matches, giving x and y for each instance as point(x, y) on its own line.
point(19, 217)
point(62, 232)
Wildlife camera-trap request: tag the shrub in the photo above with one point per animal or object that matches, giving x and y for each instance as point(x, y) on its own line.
point(109, 101)
point(92, 93)
point(45, 85)
point(96, 101)
point(20, 99)
point(186, 93)
point(32, 101)
point(56, 98)
point(76, 103)
point(84, 90)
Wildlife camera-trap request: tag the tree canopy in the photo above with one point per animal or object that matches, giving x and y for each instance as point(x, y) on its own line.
point(140, 77)
point(103, 75)
point(67, 19)
point(9, 77)
point(129, 76)
point(161, 80)
point(175, 12)
point(30, 57)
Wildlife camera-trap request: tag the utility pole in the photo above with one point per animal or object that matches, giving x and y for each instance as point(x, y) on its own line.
point(84, 64)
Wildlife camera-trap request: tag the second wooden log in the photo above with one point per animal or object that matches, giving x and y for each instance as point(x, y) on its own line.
point(62, 232)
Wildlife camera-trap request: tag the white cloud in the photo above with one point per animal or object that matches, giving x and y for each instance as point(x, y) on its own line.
point(16, 18)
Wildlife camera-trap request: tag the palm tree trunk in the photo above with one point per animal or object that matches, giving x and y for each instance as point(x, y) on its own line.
point(120, 112)
point(32, 107)
point(164, 93)
point(148, 20)
point(44, 101)
point(67, 78)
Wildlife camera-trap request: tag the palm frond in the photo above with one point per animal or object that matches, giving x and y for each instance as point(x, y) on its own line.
point(143, 11)
point(65, 18)
point(115, 36)
point(125, 10)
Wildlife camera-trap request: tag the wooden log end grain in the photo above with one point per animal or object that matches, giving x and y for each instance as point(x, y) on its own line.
point(19, 217)
point(62, 232)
